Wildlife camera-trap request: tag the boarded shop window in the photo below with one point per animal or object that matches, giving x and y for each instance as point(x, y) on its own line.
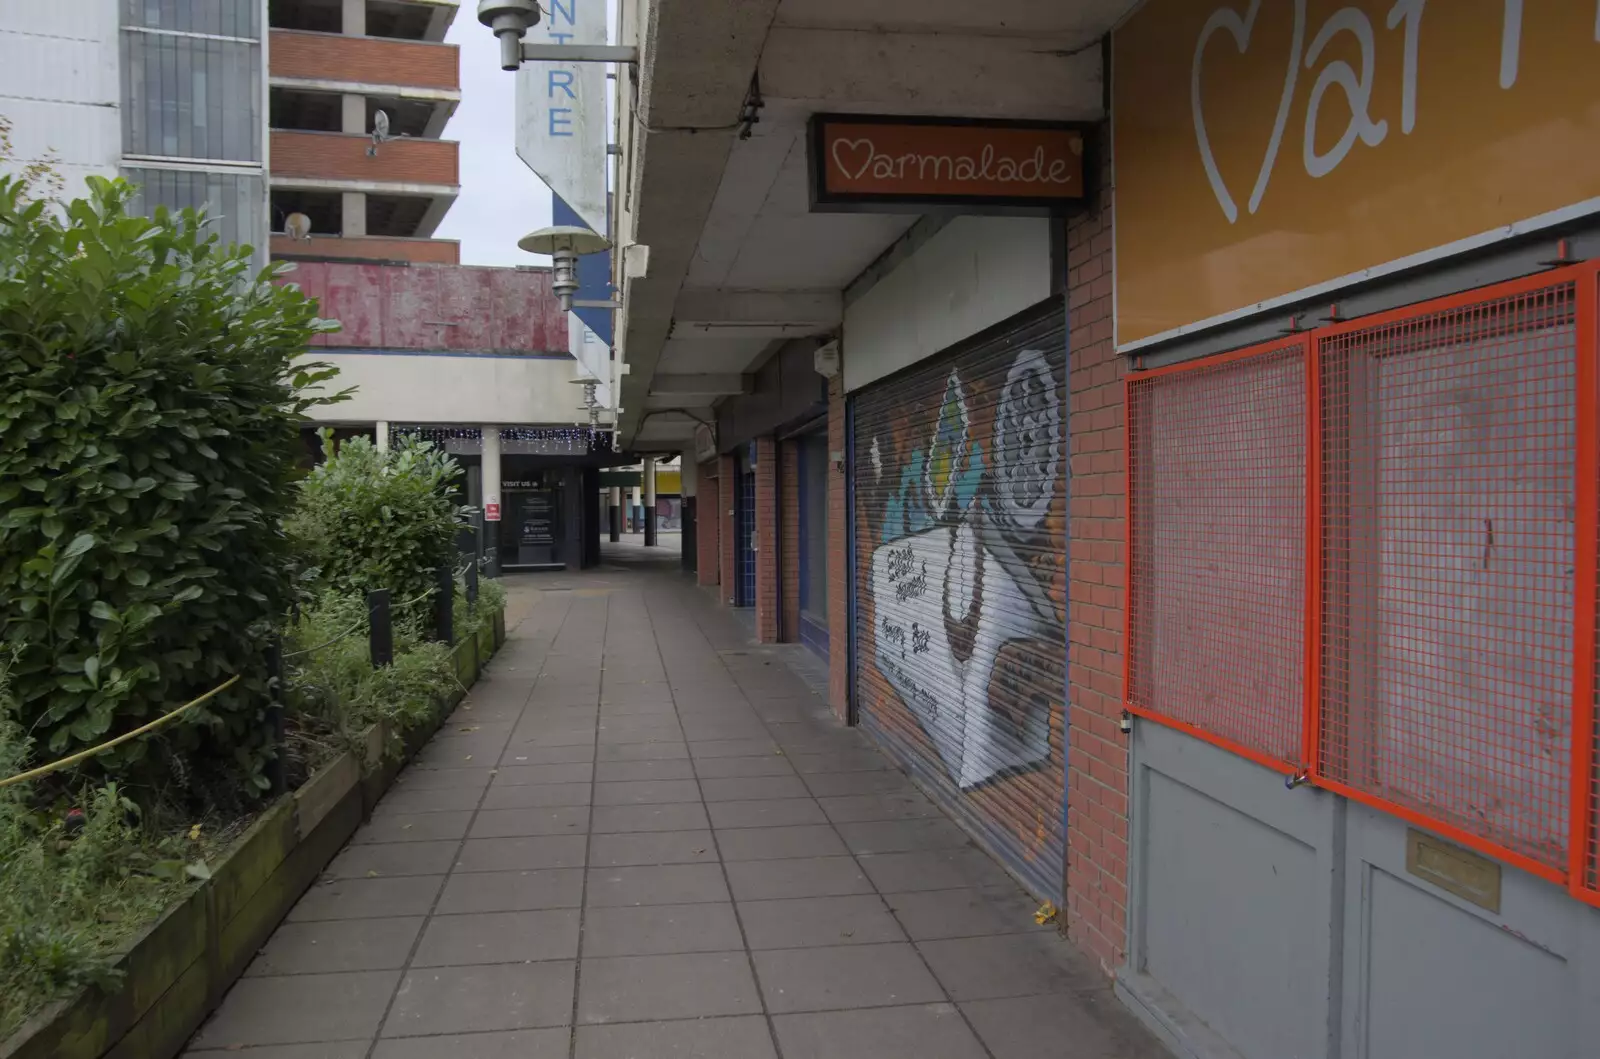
point(1444, 459)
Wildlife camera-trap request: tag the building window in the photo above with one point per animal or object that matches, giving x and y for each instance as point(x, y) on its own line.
point(191, 97)
point(235, 202)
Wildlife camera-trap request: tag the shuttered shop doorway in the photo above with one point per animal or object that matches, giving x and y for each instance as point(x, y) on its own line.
point(961, 582)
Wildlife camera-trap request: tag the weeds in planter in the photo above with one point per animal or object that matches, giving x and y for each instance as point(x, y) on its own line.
point(77, 882)
point(338, 686)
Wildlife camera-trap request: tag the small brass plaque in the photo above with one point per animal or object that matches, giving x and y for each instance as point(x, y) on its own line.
point(1449, 867)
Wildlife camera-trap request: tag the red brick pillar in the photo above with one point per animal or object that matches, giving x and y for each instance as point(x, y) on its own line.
point(839, 573)
point(789, 541)
point(1097, 794)
point(727, 470)
point(708, 520)
point(767, 516)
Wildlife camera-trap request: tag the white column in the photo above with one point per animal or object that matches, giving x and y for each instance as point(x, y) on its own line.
point(689, 473)
point(649, 478)
point(491, 474)
point(381, 429)
point(355, 18)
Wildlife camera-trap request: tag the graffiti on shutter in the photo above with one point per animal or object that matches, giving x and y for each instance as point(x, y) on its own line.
point(961, 586)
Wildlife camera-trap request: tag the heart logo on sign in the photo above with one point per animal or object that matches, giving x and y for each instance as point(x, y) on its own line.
point(853, 157)
point(1241, 29)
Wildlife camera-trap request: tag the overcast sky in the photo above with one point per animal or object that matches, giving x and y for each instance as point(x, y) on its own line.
point(501, 199)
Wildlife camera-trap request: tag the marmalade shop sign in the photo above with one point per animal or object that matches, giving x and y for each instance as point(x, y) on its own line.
point(872, 164)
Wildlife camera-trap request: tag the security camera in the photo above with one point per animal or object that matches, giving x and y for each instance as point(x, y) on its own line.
point(510, 20)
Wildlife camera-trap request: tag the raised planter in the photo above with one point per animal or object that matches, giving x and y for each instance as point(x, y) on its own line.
point(177, 970)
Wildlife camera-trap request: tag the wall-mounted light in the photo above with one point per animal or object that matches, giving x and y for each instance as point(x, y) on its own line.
point(565, 244)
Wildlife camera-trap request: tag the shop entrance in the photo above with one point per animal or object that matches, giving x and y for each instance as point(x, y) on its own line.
point(532, 531)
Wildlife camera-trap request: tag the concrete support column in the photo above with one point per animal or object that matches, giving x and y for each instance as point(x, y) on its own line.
point(380, 432)
point(353, 208)
point(353, 114)
point(355, 18)
point(649, 479)
point(491, 498)
point(614, 513)
point(633, 510)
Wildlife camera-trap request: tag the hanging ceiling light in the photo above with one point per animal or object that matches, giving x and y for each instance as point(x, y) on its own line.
point(565, 244)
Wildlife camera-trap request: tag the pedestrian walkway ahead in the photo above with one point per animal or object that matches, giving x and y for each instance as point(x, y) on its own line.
point(643, 836)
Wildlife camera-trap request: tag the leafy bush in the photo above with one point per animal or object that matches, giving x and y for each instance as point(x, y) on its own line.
point(150, 410)
point(370, 519)
point(330, 673)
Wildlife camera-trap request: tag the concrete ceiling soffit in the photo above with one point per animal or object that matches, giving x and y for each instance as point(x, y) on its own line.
point(756, 314)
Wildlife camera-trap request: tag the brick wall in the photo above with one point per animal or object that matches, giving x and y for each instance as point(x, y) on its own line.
point(838, 554)
point(364, 60)
point(1097, 799)
point(341, 156)
point(708, 520)
point(727, 468)
point(789, 541)
point(767, 515)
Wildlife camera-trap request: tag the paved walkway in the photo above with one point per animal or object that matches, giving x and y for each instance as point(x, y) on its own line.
point(644, 837)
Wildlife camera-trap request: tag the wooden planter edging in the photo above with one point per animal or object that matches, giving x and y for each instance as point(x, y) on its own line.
point(177, 970)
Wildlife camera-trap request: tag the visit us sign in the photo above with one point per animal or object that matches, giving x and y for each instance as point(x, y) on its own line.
point(861, 163)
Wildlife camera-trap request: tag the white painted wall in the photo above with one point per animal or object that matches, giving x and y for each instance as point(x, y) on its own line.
point(60, 85)
point(972, 274)
point(509, 391)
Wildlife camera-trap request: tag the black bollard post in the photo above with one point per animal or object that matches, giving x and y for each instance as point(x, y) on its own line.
point(380, 633)
point(276, 775)
point(444, 604)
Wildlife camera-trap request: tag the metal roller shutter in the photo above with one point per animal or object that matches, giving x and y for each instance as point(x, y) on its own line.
point(961, 585)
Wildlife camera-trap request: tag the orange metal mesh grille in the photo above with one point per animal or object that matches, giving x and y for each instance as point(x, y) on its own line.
point(1448, 508)
point(1217, 543)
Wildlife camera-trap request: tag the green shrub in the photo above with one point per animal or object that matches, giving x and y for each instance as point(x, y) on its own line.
point(150, 411)
point(331, 678)
point(369, 519)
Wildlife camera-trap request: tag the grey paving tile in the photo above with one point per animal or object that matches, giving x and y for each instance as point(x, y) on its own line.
point(499, 823)
point(441, 1000)
point(327, 1050)
point(842, 784)
point(897, 805)
point(658, 884)
point(420, 779)
point(448, 756)
point(736, 767)
point(1097, 1025)
point(810, 921)
point(499, 937)
point(542, 737)
point(687, 986)
point(409, 895)
point(649, 930)
point(325, 1007)
point(809, 877)
point(742, 1037)
point(652, 847)
point(527, 754)
point(785, 812)
point(393, 858)
point(536, 795)
point(658, 731)
point(646, 792)
point(512, 773)
point(926, 1031)
point(1009, 965)
point(704, 728)
point(903, 836)
point(965, 913)
point(517, 1044)
point(733, 747)
point(637, 771)
point(337, 945)
point(512, 891)
point(412, 827)
point(681, 816)
point(842, 761)
point(523, 853)
point(844, 976)
point(415, 800)
point(661, 751)
point(944, 869)
point(753, 788)
point(777, 843)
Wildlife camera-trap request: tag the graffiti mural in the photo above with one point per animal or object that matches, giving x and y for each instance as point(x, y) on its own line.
point(961, 488)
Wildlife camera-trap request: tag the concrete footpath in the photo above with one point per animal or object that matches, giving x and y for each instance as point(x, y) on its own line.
point(643, 836)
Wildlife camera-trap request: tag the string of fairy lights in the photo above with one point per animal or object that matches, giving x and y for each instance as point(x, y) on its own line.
point(576, 439)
